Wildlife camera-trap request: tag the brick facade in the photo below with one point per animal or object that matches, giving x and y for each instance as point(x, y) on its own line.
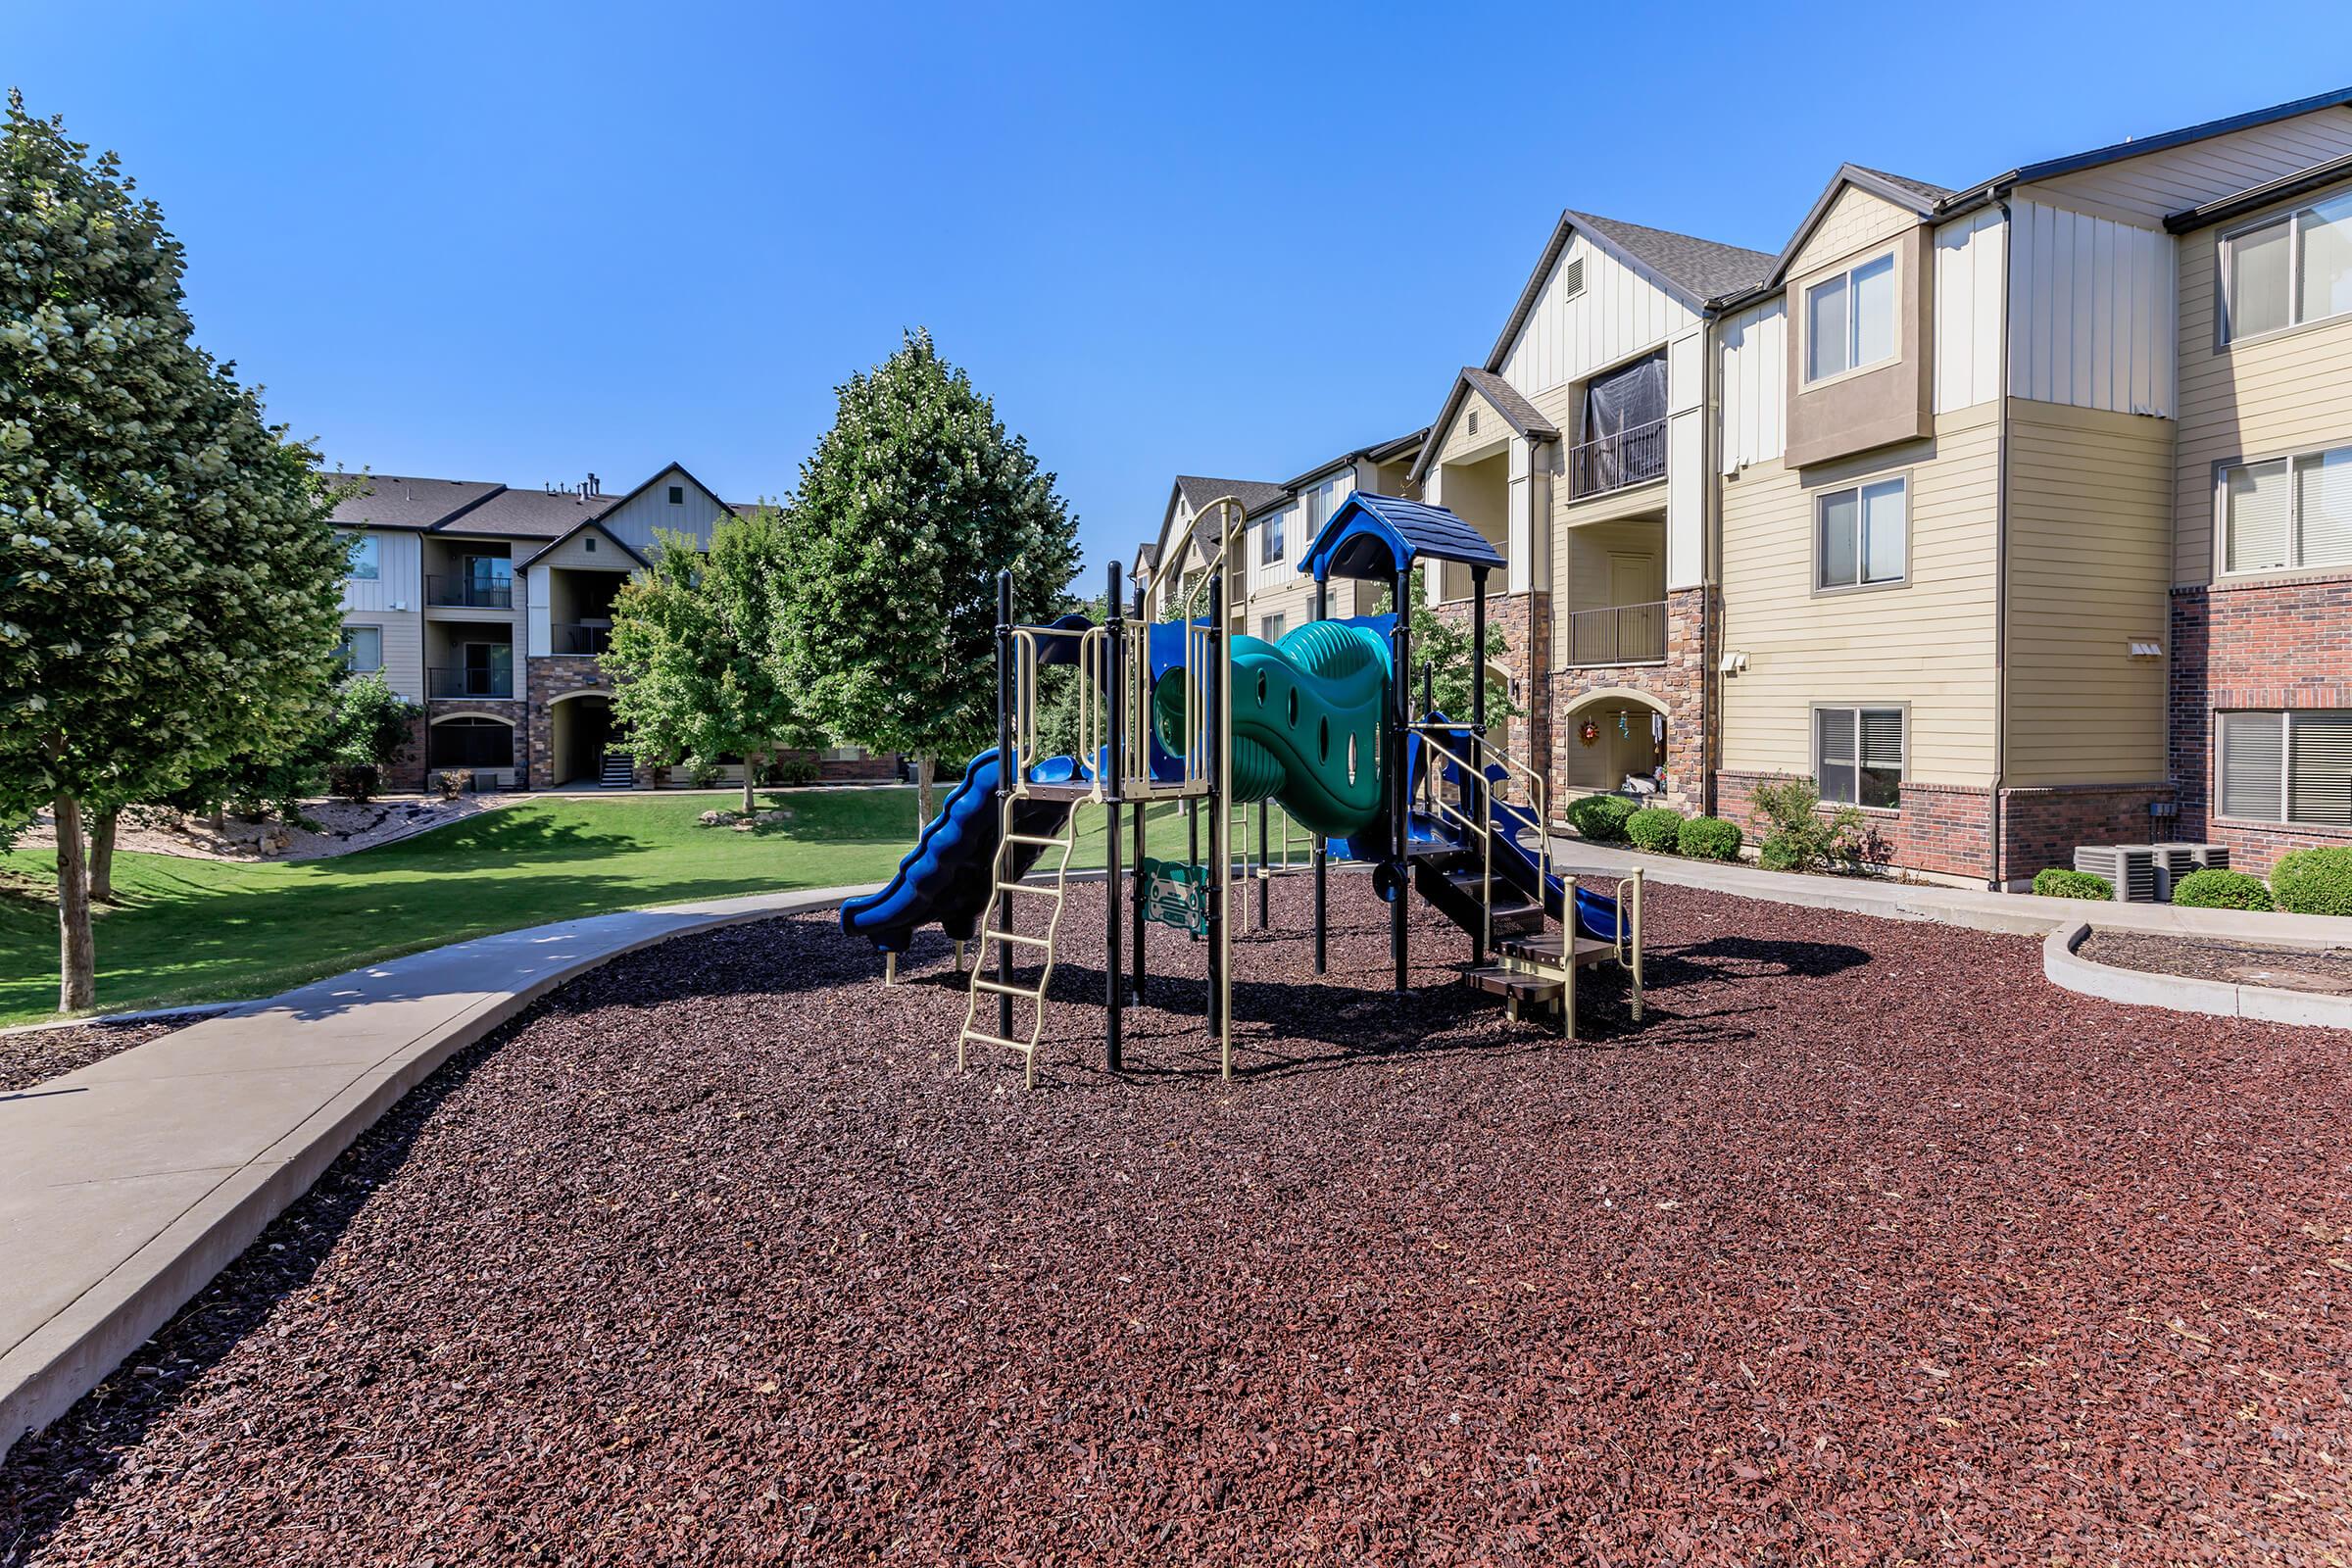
point(408, 772)
point(2042, 827)
point(2252, 646)
point(1679, 684)
point(1945, 828)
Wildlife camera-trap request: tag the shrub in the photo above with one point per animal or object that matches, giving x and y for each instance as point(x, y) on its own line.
point(1655, 828)
point(452, 782)
point(355, 782)
point(2221, 890)
point(2057, 882)
point(1600, 817)
point(1710, 837)
point(795, 771)
point(701, 773)
point(1789, 811)
point(2313, 882)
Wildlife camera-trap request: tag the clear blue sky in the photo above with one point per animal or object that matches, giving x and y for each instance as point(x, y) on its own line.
point(518, 242)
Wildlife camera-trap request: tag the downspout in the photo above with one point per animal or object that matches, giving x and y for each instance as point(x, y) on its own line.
point(1999, 880)
point(1711, 693)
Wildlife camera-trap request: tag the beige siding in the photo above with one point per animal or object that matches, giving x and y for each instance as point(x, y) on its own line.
point(2092, 313)
point(636, 520)
point(575, 552)
point(1855, 221)
point(2090, 571)
point(1457, 443)
point(1618, 313)
point(2289, 392)
point(404, 648)
point(1929, 644)
point(2155, 184)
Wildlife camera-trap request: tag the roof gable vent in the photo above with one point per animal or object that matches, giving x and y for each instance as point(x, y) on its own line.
point(1572, 280)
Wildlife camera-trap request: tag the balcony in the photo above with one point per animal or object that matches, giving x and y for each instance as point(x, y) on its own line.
point(577, 637)
point(468, 593)
point(1620, 634)
point(444, 683)
point(1618, 462)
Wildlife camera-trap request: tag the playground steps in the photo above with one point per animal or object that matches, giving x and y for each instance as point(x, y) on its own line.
point(1516, 986)
point(1545, 948)
point(1512, 914)
point(1007, 884)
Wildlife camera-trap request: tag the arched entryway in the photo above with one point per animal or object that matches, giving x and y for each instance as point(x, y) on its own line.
point(580, 732)
point(1614, 737)
point(480, 743)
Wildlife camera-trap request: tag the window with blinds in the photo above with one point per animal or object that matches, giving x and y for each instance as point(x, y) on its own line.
point(2287, 270)
point(2287, 767)
point(2287, 514)
point(1858, 755)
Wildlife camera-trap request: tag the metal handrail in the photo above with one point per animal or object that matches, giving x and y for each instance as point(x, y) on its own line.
point(1638, 453)
point(1480, 749)
point(1600, 635)
point(1093, 652)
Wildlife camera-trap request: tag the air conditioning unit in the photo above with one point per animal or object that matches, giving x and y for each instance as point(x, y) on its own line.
point(2177, 860)
point(2132, 869)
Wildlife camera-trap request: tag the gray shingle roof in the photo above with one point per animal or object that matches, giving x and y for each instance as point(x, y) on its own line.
point(1929, 195)
point(1512, 404)
point(1250, 493)
point(396, 501)
point(532, 513)
point(1703, 269)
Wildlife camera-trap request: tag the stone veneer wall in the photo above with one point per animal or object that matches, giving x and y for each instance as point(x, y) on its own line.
point(1526, 654)
point(2252, 645)
point(510, 709)
point(1680, 683)
point(551, 678)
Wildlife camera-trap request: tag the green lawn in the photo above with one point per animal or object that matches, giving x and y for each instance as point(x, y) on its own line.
point(205, 930)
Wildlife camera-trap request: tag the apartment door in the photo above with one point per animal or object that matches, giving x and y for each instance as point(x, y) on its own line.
point(1639, 634)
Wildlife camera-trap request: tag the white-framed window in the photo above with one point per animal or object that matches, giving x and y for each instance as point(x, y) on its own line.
point(2293, 767)
point(366, 562)
point(1863, 535)
point(2288, 269)
point(1858, 755)
point(1315, 505)
point(1269, 627)
point(2287, 513)
point(1849, 319)
point(362, 649)
point(1270, 537)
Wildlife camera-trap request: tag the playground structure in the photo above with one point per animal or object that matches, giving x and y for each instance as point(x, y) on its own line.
point(1321, 723)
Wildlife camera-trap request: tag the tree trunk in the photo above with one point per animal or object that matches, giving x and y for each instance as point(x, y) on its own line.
point(750, 774)
point(922, 790)
point(102, 856)
point(77, 953)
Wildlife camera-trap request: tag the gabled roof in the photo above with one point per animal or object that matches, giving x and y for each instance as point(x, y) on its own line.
point(530, 513)
point(663, 472)
point(585, 524)
point(1376, 537)
point(1380, 452)
point(1250, 493)
point(1521, 415)
point(394, 501)
point(1692, 269)
point(2223, 209)
point(1915, 196)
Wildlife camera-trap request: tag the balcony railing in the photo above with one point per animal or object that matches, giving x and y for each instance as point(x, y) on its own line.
point(468, 593)
point(578, 637)
point(1622, 634)
point(468, 683)
point(1614, 461)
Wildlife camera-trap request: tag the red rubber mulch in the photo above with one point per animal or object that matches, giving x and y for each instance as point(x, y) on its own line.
point(1867, 1246)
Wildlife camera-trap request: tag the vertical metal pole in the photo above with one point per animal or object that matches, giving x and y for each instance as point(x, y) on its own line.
point(1322, 853)
point(1480, 812)
point(1220, 830)
point(1265, 879)
point(1192, 839)
point(999, 900)
point(1401, 704)
point(1114, 687)
point(1143, 718)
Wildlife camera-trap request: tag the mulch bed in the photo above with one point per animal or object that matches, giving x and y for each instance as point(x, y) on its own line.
point(1867, 1246)
point(33, 1056)
point(2328, 969)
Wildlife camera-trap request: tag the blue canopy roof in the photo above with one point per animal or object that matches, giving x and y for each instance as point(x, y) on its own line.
point(1376, 537)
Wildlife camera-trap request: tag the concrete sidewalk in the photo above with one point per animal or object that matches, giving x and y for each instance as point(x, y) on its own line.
point(125, 1186)
point(2019, 914)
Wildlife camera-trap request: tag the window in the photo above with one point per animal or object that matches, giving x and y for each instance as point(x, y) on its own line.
point(1269, 627)
point(365, 560)
point(1318, 502)
point(1849, 319)
point(470, 742)
point(2287, 514)
point(1864, 536)
point(2286, 768)
point(1269, 538)
point(677, 495)
point(2287, 271)
point(588, 543)
point(362, 649)
point(1858, 755)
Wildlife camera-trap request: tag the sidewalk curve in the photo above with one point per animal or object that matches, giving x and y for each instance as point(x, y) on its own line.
point(125, 1186)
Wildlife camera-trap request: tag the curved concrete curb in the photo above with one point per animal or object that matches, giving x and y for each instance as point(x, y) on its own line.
point(2221, 999)
point(127, 1185)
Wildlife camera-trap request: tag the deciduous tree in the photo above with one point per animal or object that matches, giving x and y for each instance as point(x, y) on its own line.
point(169, 587)
point(905, 511)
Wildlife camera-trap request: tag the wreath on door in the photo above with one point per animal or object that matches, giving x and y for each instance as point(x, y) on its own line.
point(1588, 732)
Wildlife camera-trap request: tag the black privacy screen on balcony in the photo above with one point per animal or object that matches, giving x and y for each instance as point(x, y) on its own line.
point(1625, 422)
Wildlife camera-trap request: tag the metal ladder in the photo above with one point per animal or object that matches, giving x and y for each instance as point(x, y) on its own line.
point(1003, 890)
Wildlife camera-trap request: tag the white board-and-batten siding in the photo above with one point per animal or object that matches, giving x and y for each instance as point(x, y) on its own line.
point(399, 581)
point(1754, 348)
point(2092, 312)
point(1617, 314)
point(635, 520)
point(1969, 294)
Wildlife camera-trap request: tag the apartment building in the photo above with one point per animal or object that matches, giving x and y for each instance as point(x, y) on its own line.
point(2017, 515)
point(492, 607)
